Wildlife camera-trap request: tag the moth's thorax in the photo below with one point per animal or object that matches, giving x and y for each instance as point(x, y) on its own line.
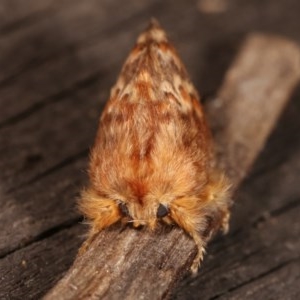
point(149, 147)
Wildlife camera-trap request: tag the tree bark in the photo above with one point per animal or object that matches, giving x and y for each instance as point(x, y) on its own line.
point(132, 264)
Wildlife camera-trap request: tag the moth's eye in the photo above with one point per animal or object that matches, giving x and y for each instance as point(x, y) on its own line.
point(124, 209)
point(162, 211)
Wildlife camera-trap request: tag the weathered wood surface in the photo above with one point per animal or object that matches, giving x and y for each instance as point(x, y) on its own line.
point(58, 60)
point(132, 264)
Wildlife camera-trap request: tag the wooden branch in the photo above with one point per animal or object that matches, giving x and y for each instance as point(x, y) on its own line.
point(132, 264)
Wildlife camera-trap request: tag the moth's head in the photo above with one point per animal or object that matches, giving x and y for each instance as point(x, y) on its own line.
point(140, 214)
point(105, 210)
point(148, 201)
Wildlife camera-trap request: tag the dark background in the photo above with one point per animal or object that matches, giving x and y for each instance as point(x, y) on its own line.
point(58, 61)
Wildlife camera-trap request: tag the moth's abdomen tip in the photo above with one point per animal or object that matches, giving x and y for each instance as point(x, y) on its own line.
point(154, 23)
point(153, 33)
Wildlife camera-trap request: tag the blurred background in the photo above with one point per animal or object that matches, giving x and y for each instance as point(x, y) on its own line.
point(58, 61)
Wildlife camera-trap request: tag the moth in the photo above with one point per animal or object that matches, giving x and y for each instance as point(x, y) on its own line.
point(153, 159)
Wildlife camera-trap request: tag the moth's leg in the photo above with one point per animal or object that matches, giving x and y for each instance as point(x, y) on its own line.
point(91, 236)
point(186, 212)
point(201, 251)
point(225, 220)
point(221, 222)
point(100, 213)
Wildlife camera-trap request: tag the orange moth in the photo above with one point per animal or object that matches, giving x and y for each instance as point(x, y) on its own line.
point(153, 158)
